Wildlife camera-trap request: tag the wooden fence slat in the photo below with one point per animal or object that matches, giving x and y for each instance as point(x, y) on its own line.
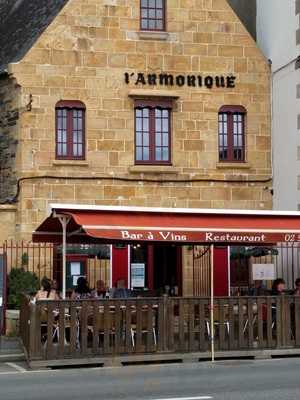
point(51, 329)
point(61, 329)
point(181, 344)
point(150, 318)
point(74, 328)
point(270, 313)
point(202, 325)
point(297, 321)
point(222, 331)
point(172, 319)
point(191, 324)
point(279, 322)
point(241, 323)
point(250, 322)
point(118, 327)
point(128, 331)
point(139, 327)
point(261, 304)
point(231, 324)
point(96, 328)
point(83, 328)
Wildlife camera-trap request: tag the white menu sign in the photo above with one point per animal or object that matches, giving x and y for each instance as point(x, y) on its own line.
point(263, 272)
point(137, 275)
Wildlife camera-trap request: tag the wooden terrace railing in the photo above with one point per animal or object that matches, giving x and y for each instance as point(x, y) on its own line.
point(91, 328)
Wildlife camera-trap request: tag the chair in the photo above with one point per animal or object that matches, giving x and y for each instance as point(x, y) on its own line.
point(144, 324)
point(217, 322)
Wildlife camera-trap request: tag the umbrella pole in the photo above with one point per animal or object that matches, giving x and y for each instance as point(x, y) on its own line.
point(212, 325)
point(64, 222)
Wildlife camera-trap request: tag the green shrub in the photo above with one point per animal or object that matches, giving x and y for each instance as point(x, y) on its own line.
point(20, 281)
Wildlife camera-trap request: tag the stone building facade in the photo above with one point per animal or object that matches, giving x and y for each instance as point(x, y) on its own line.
point(83, 54)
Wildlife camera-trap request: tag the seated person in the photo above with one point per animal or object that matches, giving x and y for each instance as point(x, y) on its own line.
point(101, 292)
point(82, 290)
point(121, 292)
point(278, 287)
point(46, 292)
point(54, 286)
point(296, 292)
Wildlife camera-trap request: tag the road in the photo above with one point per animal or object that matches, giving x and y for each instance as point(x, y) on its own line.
point(226, 380)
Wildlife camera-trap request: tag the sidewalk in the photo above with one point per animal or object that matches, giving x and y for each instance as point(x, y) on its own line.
point(10, 349)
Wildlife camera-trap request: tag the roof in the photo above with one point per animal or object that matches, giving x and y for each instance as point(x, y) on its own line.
point(21, 24)
point(23, 21)
point(109, 224)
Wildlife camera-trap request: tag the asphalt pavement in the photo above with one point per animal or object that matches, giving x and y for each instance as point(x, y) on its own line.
point(234, 380)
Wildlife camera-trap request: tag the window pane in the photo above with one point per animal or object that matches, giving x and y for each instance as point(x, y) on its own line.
point(139, 154)
point(146, 153)
point(138, 112)
point(158, 139)
point(151, 3)
point(158, 124)
point(159, 3)
point(166, 139)
point(159, 24)
point(138, 124)
point(144, 3)
point(144, 24)
point(146, 124)
point(138, 139)
point(80, 150)
point(159, 14)
point(158, 154)
point(151, 13)
point(165, 125)
point(151, 24)
point(144, 13)
point(165, 154)
point(146, 139)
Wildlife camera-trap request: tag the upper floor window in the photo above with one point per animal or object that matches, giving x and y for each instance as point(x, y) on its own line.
point(153, 15)
point(70, 130)
point(153, 132)
point(232, 133)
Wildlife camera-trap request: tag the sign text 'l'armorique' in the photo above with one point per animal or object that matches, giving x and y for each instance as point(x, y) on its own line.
point(164, 79)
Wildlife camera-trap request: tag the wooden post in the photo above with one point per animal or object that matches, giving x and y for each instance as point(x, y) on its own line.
point(64, 220)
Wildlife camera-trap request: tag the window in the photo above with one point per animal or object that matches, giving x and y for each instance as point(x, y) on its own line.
point(153, 15)
point(70, 130)
point(232, 133)
point(152, 132)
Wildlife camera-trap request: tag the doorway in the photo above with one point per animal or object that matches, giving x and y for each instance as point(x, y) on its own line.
point(167, 269)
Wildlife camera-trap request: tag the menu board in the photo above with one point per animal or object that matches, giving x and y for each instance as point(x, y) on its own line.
point(263, 272)
point(137, 275)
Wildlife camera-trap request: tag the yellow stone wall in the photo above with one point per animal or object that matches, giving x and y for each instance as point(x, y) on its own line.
point(7, 223)
point(83, 55)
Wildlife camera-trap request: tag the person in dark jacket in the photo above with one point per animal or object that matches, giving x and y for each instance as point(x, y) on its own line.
point(278, 287)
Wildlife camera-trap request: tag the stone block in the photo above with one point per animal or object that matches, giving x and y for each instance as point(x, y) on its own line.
point(95, 59)
point(231, 51)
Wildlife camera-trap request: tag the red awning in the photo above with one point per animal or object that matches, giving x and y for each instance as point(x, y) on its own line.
point(90, 224)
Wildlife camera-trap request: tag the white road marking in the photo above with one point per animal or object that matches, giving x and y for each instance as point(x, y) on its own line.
point(187, 398)
point(16, 366)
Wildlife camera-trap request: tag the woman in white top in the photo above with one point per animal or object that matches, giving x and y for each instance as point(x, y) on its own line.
point(46, 293)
